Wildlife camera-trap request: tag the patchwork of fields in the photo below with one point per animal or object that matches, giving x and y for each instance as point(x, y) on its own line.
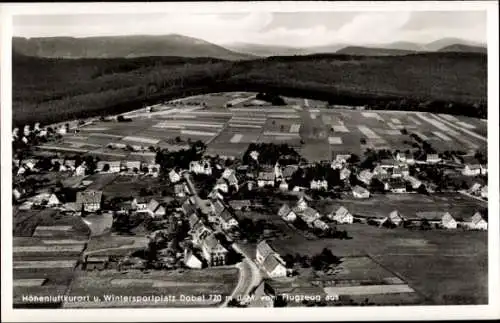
point(317, 132)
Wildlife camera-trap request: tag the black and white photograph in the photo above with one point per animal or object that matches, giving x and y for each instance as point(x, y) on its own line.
point(250, 156)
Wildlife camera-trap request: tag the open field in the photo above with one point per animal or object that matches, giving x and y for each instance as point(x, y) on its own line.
point(169, 284)
point(112, 245)
point(227, 131)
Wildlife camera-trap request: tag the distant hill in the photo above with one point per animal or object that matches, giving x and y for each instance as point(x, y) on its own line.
point(123, 47)
point(445, 42)
point(372, 51)
point(265, 50)
point(460, 48)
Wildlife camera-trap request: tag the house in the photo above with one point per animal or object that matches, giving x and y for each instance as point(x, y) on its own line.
point(401, 157)
point(337, 164)
point(89, 201)
point(444, 219)
point(396, 173)
point(484, 169)
point(286, 213)
point(155, 209)
point(302, 203)
point(16, 194)
point(283, 186)
point(344, 174)
point(263, 251)
point(484, 192)
point(365, 176)
point(274, 266)
point(193, 219)
point(255, 155)
point(471, 170)
point(476, 222)
point(265, 179)
point(21, 170)
point(342, 215)
point(227, 221)
point(475, 189)
point(200, 167)
point(213, 251)
point(232, 180)
point(188, 208)
point(319, 184)
point(360, 192)
point(395, 218)
point(380, 171)
point(30, 164)
point(112, 166)
point(388, 163)
point(80, 170)
point(309, 215)
point(25, 140)
point(251, 185)
point(321, 225)
point(228, 172)
point(54, 200)
point(405, 170)
point(433, 158)
point(173, 176)
point(215, 194)
point(179, 190)
point(221, 185)
point(190, 260)
point(140, 203)
point(289, 170)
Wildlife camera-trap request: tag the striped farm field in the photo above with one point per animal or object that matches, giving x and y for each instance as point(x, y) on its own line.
point(198, 133)
point(368, 132)
point(28, 264)
point(465, 124)
point(94, 128)
point(395, 121)
point(442, 136)
point(242, 125)
point(340, 128)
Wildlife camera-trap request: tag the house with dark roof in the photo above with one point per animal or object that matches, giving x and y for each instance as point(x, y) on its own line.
point(365, 176)
point(155, 209)
point(263, 250)
point(213, 251)
point(274, 266)
point(90, 201)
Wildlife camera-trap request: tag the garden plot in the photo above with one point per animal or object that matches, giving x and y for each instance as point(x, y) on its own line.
point(284, 116)
point(242, 125)
point(449, 117)
point(421, 135)
point(370, 134)
point(465, 125)
point(55, 249)
point(441, 136)
point(94, 128)
point(392, 132)
point(373, 115)
point(228, 136)
point(227, 149)
point(60, 148)
point(335, 140)
point(198, 133)
point(281, 134)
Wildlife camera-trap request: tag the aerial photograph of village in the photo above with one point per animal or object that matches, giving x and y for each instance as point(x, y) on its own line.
point(249, 160)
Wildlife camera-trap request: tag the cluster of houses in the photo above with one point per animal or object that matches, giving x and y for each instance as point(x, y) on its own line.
point(303, 211)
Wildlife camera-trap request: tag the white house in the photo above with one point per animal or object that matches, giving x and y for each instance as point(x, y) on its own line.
point(405, 158)
point(337, 164)
point(414, 182)
point(360, 192)
point(154, 209)
point(396, 218)
point(153, 169)
point(342, 215)
point(174, 176)
point(140, 203)
point(448, 222)
point(53, 200)
point(445, 219)
point(365, 176)
point(318, 224)
point(286, 213)
point(484, 169)
point(262, 251)
point(200, 167)
point(471, 170)
point(265, 179)
point(302, 204)
point(283, 186)
point(476, 222)
point(190, 260)
point(319, 184)
point(228, 172)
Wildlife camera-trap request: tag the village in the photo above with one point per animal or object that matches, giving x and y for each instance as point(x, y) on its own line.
point(182, 207)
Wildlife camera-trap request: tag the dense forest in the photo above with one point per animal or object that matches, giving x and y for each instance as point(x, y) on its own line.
point(51, 90)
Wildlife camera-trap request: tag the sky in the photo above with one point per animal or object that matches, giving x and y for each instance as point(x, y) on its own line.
point(297, 29)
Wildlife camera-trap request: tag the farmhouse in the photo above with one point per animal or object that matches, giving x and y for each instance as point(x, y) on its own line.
point(154, 209)
point(263, 251)
point(153, 169)
point(342, 215)
point(30, 164)
point(319, 184)
point(286, 213)
point(213, 251)
point(309, 215)
point(433, 158)
point(80, 170)
point(337, 164)
point(140, 203)
point(365, 176)
point(90, 201)
point(274, 266)
point(193, 219)
point(471, 170)
point(302, 203)
point(396, 173)
point(318, 224)
point(360, 192)
point(380, 171)
point(395, 218)
point(444, 219)
point(190, 260)
point(200, 167)
point(398, 186)
point(173, 176)
point(265, 179)
point(54, 200)
point(179, 190)
point(476, 222)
